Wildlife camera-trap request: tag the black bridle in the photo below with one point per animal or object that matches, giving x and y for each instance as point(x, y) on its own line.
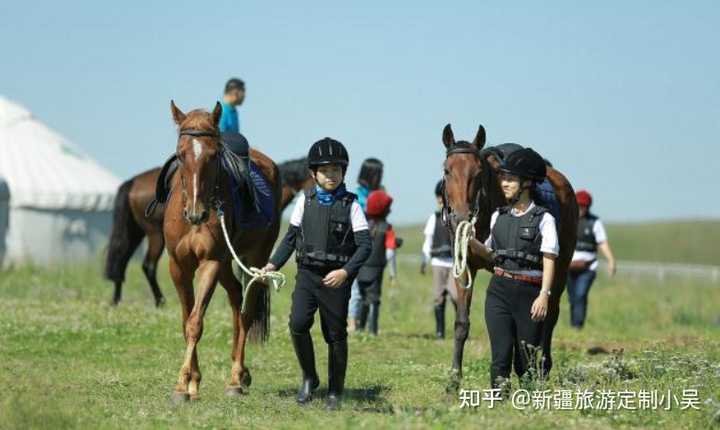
point(481, 193)
point(215, 201)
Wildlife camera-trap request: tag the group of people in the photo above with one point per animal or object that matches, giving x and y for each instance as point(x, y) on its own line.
point(343, 242)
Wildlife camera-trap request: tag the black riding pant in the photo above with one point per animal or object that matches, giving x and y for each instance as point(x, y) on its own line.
point(509, 325)
point(370, 283)
point(310, 295)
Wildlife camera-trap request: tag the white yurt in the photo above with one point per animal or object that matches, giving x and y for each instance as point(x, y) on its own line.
point(56, 202)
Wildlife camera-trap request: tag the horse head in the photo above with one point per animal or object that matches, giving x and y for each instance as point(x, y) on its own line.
point(467, 178)
point(197, 152)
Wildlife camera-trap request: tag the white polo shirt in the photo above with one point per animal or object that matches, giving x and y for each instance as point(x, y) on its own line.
point(549, 243)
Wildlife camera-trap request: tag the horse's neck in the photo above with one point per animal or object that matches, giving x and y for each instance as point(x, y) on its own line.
point(495, 200)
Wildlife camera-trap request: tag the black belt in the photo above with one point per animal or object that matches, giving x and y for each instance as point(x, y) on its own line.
point(324, 256)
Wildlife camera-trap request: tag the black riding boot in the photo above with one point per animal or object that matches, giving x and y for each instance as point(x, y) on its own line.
point(306, 357)
point(440, 321)
point(337, 365)
point(362, 321)
point(373, 315)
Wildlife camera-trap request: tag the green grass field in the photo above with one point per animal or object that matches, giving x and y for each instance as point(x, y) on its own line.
point(69, 360)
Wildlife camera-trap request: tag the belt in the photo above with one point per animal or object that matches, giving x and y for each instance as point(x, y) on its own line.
point(535, 280)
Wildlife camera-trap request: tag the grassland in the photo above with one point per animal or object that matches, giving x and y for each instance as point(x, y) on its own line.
point(68, 360)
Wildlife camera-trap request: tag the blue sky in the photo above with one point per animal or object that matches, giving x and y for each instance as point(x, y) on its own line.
point(623, 97)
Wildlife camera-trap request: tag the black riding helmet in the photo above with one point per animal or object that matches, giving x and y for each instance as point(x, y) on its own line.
point(327, 151)
point(525, 163)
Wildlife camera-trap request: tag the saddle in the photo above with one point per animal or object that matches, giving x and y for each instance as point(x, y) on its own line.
point(252, 194)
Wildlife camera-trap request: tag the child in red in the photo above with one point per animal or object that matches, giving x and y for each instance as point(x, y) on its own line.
point(370, 276)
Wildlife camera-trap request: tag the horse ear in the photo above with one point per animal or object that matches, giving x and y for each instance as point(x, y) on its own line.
point(480, 138)
point(177, 114)
point(216, 113)
point(448, 137)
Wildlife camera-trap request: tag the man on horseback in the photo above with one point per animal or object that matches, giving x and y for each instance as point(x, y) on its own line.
point(234, 96)
point(329, 234)
point(229, 127)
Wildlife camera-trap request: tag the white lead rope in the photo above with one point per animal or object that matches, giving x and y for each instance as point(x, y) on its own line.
point(276, 278)
point(463, 234)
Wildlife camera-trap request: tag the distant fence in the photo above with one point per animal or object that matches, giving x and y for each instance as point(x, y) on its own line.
point(660, 271)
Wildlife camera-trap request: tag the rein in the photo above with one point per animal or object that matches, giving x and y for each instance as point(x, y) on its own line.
point(276, 278)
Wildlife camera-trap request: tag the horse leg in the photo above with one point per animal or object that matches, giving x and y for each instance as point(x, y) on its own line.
point(462, 329)
point(156, 245)
point(183, 280)
point(207, 280)
point(239, 375)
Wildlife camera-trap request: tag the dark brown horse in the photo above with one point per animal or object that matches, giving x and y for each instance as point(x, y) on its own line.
point(200, 257)
point(473, 190)
point(130, 225)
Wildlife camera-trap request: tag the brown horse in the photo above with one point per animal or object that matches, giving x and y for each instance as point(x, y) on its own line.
point(130, 225)
point(473, 190)
point(197, 250)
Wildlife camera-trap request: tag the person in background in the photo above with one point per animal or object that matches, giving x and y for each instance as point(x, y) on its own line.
point(371, 273)
point(369, 179)
point(233, 97)
point(591, 237)
point(329, 234)
point(437, 250)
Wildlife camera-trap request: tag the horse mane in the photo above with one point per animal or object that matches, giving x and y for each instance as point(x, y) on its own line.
point(294, 171)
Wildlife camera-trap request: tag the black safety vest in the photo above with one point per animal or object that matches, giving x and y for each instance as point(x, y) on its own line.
point(586, 240)
point(377, 233)
point(326, 236)
point(441, 247)
point(516, 240)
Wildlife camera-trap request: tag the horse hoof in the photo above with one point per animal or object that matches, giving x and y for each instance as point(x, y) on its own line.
point(246, 380)
point(235, 391)
point(180, 397)
point(453, 385)
point(160, 302)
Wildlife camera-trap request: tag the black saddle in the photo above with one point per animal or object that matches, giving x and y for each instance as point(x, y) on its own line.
point(237, 165)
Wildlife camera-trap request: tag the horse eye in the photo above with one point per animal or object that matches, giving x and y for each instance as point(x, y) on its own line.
point(446, 172)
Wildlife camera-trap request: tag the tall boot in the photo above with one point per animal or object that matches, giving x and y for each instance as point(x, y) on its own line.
point(440, 321)
point(362, 321)
point(373, 315)
point(306, 357)
point(337, 365)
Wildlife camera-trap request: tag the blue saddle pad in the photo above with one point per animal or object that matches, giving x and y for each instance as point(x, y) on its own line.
point(545, 194)
point(262, 214)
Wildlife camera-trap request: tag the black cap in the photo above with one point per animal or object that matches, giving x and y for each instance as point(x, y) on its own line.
point(525, 163)
point(234, 84)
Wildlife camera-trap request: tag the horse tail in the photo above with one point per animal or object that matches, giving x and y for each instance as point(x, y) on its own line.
point(259, 312)
point(125, 237)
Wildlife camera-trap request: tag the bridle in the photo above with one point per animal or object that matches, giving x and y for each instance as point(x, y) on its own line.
point(480, 195)
point(215, 201)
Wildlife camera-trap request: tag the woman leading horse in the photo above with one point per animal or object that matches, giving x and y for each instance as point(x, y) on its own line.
point(472, 194)
point(199, 255)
